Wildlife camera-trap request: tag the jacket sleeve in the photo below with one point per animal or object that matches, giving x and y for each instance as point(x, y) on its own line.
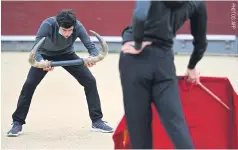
point(198, 25)
point(84, 37)
point(127, 34)
point(139, 18)
point(43, 31)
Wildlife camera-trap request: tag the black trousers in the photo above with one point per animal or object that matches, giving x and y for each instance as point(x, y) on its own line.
point(147, 78)
point(81, 73)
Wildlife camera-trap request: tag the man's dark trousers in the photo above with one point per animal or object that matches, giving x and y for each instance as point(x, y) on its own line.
point(150, 77)
point(80, 72)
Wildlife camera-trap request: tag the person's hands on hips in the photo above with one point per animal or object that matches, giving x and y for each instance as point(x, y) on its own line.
point(128, 47)
point(193, 75)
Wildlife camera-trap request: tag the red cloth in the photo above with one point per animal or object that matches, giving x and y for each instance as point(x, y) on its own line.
point(211, 125)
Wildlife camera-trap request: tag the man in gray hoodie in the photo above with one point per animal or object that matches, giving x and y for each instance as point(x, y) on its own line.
point(60, 33)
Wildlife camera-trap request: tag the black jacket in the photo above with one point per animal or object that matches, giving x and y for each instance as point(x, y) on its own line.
point(158, 21)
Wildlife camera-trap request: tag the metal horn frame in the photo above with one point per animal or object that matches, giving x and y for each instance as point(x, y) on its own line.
point(44, 64)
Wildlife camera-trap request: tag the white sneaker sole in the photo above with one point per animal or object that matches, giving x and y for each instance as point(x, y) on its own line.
point(100, 130)
point(14, 135)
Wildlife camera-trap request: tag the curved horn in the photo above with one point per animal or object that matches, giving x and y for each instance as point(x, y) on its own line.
point(32, 59)
point(43, 64)
point(102, 53)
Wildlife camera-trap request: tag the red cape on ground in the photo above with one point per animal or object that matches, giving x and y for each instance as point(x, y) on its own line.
point(211, 125)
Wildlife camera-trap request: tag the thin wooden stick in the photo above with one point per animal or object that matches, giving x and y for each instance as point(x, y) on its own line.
point(213, 95)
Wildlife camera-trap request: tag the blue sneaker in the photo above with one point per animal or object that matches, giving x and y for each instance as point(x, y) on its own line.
point(101, 126)
point(16, 129)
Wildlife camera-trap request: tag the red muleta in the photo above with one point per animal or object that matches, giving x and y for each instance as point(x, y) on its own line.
point(211, 124)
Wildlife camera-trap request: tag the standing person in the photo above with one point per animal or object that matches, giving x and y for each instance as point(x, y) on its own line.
point(61, 31)
point(147, 68)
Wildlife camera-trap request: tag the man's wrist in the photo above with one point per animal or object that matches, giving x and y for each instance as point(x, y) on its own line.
point(191, 66)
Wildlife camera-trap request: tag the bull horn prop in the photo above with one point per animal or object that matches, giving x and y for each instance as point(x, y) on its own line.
point(44, 64)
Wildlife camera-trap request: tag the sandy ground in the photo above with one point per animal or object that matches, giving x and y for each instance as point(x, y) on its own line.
point(58, 116)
